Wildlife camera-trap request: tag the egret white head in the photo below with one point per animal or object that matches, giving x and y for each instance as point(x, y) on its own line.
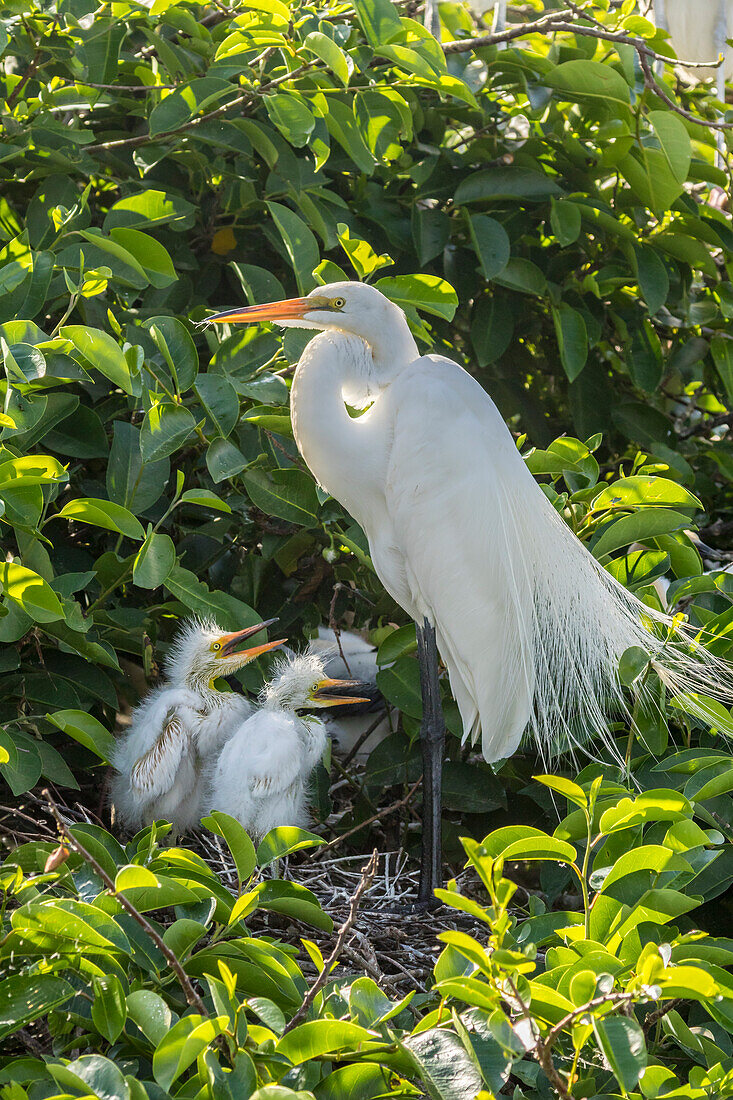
point(201, 652)
point(299, 682)
point(356, 309)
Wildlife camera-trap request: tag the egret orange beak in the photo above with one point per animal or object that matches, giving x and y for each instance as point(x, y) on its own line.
point(318, 699)
point(228, 642)
point(292, 309)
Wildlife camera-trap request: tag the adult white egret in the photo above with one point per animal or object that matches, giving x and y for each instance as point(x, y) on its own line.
point(262, 772)
point(160, 760)
point(529, 625)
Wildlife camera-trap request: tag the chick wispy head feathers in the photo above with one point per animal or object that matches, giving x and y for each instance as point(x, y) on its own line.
point(299, 682)
point(201, 651)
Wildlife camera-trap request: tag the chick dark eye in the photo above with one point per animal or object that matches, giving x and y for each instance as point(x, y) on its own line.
point(339, 303)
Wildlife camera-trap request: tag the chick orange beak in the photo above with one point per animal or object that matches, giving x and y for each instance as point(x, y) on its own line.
point(229, 642)
point(327, 700)
point(292, 309)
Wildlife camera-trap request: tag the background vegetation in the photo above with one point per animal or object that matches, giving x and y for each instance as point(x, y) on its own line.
point(542, 215)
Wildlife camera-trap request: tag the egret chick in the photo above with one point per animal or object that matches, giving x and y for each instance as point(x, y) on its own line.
point(261, 776)
point(160, 762)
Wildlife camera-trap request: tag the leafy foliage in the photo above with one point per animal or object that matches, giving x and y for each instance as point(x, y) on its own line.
point(541, 216)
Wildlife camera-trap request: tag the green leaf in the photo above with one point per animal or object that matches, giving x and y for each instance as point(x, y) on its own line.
point(564, 787)
point(25, 998)
point(30, 592)
point(643, 490)
point(103, 513)
point(565, 220)
point(400, 685)
point(153, 258)
point(425, 292)
point(238, 842)
point(150, 208)
point(590, 82)
point(399, 643)
point(287, 494)
point(219, 398)
point(131, 482)
point(523, 842)
point(319, 1037)
point(632, 663)
point(166, 427)
point(283, 840)
point(229, 612)
point(154, 561)
point(100, 352)
point(653, 278)
point(572, 339)
point(179, 106)
point(290, 113)
point(173, 340)
point(379, 20)
point(109, 1010)
point(622, 1041)
point(722, 351)
point(295, 901)
point(364, 259)
point(443, 1065)
point(506, 183)
point(638, 527)
point(151, 1014)
point(182, 1045)
point(491, 243)
point(224, 460)
point(86, 730)
point(300, 244)
point(204, 498)
point(330, 53)
point(652, 805)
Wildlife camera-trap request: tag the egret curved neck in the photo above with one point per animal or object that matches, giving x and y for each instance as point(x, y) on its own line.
point(342, 452)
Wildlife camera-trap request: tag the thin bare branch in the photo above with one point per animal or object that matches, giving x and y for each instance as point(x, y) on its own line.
point(367, 876)
point(392, 808)
point(191, 995)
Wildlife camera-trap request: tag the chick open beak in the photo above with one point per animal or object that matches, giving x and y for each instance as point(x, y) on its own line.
point(322, 696)
point(292, 309)
point(230, 642)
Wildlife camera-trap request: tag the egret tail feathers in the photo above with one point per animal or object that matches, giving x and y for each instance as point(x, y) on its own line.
point(572, 633)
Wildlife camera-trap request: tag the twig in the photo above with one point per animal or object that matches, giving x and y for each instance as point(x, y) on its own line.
point(252, 93)
point(364, 736)
point(367, 876)
point(555, 23)
point(191, 995)
point(659, 1013)
point(369, 821)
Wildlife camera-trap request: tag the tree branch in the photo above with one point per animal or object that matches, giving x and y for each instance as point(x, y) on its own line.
point(369, 821)
point(367, 876)
point(191, 995)
point(556, 23)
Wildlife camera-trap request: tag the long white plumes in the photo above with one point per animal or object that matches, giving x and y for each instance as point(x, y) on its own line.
point(575, 621)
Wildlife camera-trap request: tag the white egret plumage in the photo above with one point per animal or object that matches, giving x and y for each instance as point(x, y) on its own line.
point(262, 773)
point(530, 626)
point(160, 761)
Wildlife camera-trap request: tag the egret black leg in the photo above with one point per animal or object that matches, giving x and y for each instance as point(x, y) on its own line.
point(432, 737)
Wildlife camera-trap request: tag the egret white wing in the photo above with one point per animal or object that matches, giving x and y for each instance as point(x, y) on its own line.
point(154, 773)
point(452, 476)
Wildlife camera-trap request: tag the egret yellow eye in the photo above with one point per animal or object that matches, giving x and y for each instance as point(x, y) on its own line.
point(338, 303)
point(216, 645)
point(315, 687)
